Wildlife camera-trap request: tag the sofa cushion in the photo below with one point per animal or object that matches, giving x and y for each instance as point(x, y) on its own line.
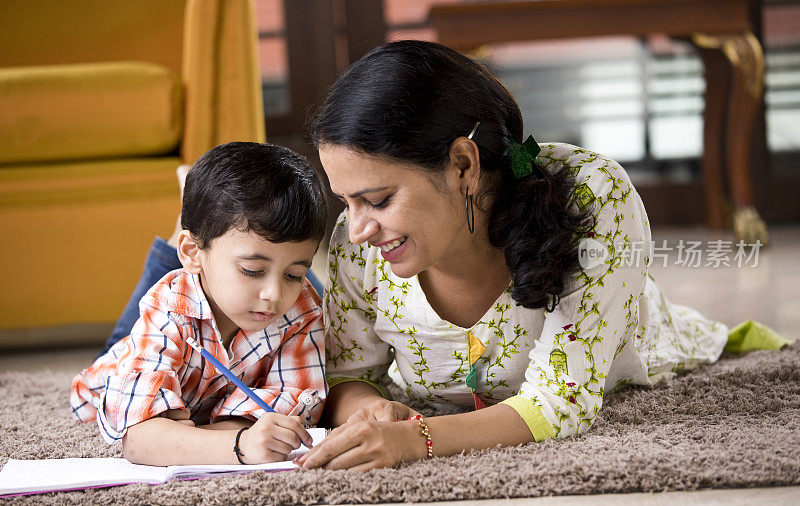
point(75, 236)
point(65, 112)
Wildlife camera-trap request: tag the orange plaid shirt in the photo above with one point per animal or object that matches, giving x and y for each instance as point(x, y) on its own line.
point(154, 369)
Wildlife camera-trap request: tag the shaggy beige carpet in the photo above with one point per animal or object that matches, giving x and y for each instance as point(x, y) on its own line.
point(733, 424)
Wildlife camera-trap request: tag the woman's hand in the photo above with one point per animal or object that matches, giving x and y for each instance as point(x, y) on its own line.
point(367, 444)
point(272, 438)
point(382, 410)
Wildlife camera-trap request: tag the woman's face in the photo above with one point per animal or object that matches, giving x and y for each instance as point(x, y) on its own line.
point(416, 218)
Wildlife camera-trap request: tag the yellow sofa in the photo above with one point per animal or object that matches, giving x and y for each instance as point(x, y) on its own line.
point(100, 101)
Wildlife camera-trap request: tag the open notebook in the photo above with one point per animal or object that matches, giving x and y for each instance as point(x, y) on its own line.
point(36, 476)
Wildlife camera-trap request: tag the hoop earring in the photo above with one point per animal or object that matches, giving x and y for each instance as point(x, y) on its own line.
point(552, 302)
point(470, 214)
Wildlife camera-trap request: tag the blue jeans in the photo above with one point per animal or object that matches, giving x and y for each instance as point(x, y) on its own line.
point(161, 259)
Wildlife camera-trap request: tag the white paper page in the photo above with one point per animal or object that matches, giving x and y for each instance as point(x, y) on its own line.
point(194, 471)
point(19, 476)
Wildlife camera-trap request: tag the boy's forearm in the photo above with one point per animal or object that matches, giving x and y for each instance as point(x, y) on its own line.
point(233, 423)
point(344, 399)
point(163, 442)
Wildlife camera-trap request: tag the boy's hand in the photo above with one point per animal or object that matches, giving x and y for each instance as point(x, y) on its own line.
point(179, 415)
point(272, 438)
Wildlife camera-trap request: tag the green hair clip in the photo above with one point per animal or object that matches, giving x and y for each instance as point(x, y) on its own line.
point(523, 155)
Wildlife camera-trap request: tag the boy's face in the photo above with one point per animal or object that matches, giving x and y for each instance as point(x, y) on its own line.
point(248, 280)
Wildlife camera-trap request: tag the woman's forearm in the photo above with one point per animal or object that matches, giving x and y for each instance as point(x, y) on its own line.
point(365, 444)
point(344, 399)
point(486, 428)
point(160, 441)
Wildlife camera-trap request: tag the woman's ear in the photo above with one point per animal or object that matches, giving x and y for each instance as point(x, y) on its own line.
point(465, 161)
point(189, 252)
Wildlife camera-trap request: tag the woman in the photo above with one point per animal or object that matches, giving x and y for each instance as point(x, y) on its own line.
point(458, 259)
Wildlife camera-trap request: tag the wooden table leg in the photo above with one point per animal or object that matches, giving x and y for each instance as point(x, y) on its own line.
point(743, 56)
point(717, 76)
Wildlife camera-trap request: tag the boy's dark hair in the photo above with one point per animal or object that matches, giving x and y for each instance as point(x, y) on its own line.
point(263, 188)
point(410, 100)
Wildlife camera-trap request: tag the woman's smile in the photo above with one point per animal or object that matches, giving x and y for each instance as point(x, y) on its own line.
point(391, 250)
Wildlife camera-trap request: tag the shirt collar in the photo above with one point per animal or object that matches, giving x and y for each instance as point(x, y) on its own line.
point(186, 296)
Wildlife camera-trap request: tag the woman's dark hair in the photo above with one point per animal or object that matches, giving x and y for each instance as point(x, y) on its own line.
point(410, 100)
point(263, 188)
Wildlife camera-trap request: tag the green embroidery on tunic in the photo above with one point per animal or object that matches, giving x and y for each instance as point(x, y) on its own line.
point(558, 360)
point(583, 196)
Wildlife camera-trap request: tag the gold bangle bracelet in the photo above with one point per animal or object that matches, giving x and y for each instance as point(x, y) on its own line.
point(423, 427)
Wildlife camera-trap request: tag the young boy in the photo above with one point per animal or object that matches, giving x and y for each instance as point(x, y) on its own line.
point(253, 215)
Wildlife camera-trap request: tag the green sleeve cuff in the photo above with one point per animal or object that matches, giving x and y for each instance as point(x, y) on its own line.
point(539, 426)
point(752, 335)
point(332, 382)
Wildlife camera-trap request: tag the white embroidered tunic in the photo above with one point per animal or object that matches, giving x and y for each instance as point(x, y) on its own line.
point(612, 326)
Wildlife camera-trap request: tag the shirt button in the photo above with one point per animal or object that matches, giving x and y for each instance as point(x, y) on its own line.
point(307, 398)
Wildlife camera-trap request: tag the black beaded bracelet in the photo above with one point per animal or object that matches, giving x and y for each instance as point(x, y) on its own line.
point(236, 450)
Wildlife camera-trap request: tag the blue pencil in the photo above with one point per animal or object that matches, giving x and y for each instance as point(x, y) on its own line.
point(228, 374)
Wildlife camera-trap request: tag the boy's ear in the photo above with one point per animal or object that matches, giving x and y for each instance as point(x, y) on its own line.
point(189, 252)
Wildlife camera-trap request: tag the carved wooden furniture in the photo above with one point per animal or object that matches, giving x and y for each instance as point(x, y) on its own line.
point(721, 29)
